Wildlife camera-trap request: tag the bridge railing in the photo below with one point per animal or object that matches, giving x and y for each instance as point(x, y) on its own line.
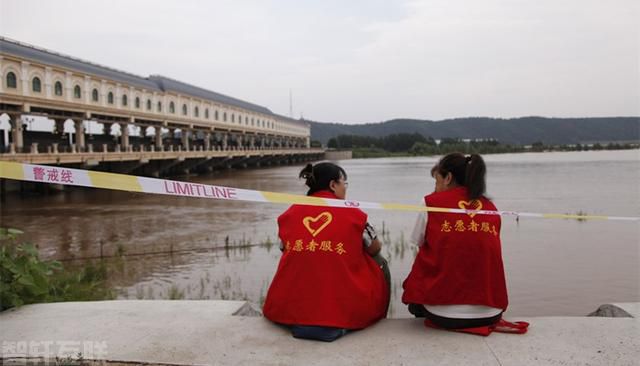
point(55, 148)
point(95, 157)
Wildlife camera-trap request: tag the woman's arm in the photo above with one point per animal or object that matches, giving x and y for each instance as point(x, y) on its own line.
point(370, 240)
point(374, 248)
point(417, 235)
point(419, 229)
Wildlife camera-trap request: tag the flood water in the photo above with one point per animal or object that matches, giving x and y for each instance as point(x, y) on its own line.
point(159, 247)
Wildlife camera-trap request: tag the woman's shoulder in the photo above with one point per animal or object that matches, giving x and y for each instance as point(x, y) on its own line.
point(447, 195)
point(309, 209)
point(488, 203)
point(454, 195)
point(287, 212)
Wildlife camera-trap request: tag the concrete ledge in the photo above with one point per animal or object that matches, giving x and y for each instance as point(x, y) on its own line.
point(206, 332)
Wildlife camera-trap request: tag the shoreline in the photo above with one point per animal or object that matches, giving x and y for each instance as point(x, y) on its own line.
point(368, 153)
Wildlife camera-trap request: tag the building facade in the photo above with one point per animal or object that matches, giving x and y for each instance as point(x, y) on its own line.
point(170, 113)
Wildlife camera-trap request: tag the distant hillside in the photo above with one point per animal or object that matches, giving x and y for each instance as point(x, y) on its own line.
point(523, 131)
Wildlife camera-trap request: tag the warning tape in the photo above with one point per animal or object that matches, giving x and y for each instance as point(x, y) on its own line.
point(123, 182)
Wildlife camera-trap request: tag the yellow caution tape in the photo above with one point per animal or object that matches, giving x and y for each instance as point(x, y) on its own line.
point(123, 182)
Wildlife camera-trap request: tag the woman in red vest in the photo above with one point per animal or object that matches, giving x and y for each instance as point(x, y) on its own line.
point(327, 281)
point(457, 280)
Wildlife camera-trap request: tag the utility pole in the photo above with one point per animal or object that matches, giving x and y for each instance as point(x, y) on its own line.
point(290, 104)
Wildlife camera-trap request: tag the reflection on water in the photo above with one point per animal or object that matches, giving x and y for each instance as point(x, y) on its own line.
point(173, 247)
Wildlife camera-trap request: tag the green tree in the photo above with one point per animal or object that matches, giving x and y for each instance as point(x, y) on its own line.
point(538, 146)
point(402, 141)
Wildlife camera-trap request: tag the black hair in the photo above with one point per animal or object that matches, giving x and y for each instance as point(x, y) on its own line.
point(319, 176)
point(468, 171)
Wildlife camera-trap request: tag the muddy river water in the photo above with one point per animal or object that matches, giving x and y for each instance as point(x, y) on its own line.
point(160, 247)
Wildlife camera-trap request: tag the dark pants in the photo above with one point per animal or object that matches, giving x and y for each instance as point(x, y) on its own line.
point(384, 266)
point(325, 334)
point(419, 311)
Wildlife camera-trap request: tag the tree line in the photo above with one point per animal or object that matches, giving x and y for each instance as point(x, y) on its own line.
point(518, 131)
point(418, 144)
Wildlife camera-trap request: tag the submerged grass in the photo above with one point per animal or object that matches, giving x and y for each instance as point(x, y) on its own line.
point(581, 213)
point(175, 293)
point(27, 279)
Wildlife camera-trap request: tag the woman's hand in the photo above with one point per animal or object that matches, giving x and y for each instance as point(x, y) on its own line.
point(374, 248)
point(370, 240)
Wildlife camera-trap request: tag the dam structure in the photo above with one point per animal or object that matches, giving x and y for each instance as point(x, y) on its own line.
point(66, 111)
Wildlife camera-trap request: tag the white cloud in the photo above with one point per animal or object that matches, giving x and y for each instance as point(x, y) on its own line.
point(364, 61)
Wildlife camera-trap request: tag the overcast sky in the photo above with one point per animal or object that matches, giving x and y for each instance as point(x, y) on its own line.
point(365, 60)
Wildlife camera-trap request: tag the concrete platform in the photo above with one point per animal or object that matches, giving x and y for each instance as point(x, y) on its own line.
point(207, 332)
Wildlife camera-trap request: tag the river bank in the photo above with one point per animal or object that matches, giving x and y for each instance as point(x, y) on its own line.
point(467, 148)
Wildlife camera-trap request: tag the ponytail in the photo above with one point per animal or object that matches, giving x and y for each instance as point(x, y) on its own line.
point(318, 177)
point(468, 171)
point(475, 176)
point(307, 174)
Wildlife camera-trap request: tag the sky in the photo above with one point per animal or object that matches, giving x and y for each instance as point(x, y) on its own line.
point(363, 61)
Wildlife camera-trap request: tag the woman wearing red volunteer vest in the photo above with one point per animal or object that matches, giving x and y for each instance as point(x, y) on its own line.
point(457, 280)
point(327, 281)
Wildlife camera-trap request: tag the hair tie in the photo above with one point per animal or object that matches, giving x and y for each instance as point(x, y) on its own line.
point(309, 177)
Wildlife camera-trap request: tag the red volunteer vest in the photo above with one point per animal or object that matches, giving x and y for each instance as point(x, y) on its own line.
point(461, 260)
point(325, 278)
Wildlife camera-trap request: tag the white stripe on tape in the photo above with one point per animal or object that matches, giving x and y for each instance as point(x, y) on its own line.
point(122, 182)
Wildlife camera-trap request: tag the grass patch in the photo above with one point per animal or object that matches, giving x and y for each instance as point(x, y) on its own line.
point(26, 279)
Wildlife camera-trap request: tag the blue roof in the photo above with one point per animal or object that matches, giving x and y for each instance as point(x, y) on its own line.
point(52, 58)
point(289, 119)
point(167, 84)
point(152, 83)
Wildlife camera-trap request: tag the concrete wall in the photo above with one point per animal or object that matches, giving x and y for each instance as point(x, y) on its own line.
point(338, 155)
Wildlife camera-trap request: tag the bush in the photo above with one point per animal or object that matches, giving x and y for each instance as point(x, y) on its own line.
point(25, 279)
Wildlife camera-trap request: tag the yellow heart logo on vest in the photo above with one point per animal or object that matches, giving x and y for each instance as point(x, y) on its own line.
point(473, 205)
point(316, 224)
